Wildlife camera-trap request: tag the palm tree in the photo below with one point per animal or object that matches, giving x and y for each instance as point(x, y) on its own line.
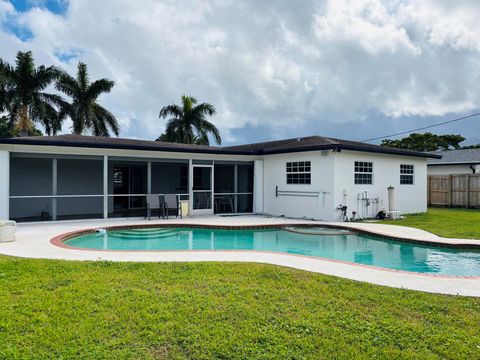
point(22, 94)
point(188, 124)
point(84, 111)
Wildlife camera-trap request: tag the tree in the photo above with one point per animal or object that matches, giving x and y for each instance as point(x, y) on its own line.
point(188, 123)
point(84, 111)
point(22, 94)
point(425, 142)
point(7, 129)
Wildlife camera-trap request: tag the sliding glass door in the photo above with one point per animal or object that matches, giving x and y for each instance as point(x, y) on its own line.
point(129, 189)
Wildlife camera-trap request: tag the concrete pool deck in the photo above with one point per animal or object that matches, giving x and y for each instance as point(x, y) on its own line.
point(33, 241)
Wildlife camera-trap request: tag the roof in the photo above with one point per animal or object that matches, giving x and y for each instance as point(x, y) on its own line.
point(460, 156)
point(301, 144)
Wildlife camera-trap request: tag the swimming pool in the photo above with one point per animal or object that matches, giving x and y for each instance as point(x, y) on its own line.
point(325, 243)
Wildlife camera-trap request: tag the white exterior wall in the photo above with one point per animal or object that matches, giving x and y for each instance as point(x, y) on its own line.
point(453, 169)
point(4, 184)
point(258, 179)
point(386, 172)
point(333, 174)
point(297, 206)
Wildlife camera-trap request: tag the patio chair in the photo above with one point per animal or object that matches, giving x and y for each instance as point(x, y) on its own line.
point(202, 201)
point(153, 203)
point(223, 203)
point(170, 201)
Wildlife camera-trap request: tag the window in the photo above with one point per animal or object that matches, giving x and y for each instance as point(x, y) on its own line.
point(406, 174)
point(299, 172)
point(363, 172)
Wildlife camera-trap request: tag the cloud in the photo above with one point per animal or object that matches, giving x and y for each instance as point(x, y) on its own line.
point(272, 69)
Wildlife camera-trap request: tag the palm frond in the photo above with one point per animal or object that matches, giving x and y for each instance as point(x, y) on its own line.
point(106, 120)
point(202, 138)
point(204, 109)
point(44, 76)
point(68, 85)
point(99, 87)
point(82, 76)
point(208, 127)
point(171, 110)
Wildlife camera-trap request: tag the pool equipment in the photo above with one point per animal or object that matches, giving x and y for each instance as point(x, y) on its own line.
point(343, 209)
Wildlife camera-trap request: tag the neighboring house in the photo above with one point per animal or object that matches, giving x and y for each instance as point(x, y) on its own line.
point(462, 161)
point(76, 177)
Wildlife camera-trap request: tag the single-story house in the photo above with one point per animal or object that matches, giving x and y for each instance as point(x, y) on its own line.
point(455, 162)
point(78, 177)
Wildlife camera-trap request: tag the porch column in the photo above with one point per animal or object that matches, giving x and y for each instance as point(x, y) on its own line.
point(105, 187)
point(190, 186)
point(149, 177)
point(235, 188)
point(4, 184)
point(258, 186)
point(54, 189)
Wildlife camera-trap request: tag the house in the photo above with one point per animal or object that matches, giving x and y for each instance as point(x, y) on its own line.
point(455, 162)
point(78, 177)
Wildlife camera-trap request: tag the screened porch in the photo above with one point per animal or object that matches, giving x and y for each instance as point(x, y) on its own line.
point(47, 187)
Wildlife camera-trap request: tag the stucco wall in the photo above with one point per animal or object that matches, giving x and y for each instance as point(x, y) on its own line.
point(386, 172)
point(333, 177)
point(297, 206)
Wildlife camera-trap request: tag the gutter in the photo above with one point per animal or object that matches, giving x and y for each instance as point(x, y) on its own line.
point(454, 163)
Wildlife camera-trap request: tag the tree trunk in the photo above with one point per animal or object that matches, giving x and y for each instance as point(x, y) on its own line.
point(24, 124)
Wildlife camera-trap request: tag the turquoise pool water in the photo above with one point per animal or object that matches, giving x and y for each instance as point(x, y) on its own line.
point(330, 244)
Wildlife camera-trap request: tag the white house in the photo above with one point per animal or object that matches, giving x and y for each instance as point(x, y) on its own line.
point(76, 177)
point(455, 162)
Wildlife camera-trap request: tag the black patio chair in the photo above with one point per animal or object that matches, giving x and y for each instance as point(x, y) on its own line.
point(170, 202)
point(153, 203)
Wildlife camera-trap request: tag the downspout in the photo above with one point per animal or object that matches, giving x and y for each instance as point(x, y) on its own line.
point(472, 168)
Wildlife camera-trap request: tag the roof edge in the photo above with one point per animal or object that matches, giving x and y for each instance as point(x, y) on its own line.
point(454, 163)
point(13, 141)
point(80, 144)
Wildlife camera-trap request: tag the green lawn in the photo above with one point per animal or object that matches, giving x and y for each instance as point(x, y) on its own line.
point(452, 223)
point(103, 310)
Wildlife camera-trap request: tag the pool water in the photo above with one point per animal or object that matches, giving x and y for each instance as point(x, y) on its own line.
point(330, 244)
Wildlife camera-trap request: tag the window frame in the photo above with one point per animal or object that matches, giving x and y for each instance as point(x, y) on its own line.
point(303, 170)
point(407, 174)
point(360, 170)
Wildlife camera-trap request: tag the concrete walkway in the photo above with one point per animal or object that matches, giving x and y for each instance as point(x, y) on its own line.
point(33, 241)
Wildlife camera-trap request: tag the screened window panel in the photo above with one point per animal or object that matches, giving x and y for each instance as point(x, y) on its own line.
point(30, 176)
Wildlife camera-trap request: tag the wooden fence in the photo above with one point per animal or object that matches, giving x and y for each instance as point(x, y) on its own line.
point(454, 190)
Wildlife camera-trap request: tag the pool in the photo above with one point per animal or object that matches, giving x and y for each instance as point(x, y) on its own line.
point(324, 243)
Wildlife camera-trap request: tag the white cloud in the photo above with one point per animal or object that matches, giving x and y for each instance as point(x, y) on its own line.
point(364, 23)
point(275, 65)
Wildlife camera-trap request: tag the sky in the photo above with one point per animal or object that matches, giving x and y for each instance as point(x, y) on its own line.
point(353, 69)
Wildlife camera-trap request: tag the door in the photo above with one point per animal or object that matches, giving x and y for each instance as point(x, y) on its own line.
point(129, 179)
point(202, 190)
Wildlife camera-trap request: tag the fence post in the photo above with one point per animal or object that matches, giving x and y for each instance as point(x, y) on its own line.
point(450, 185)
point(429, 188)
point(467, 191)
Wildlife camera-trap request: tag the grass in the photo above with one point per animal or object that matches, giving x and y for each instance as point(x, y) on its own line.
point(450, 223)
point(103, 310)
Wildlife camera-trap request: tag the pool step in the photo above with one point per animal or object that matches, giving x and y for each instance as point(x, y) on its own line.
point(144, 234)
